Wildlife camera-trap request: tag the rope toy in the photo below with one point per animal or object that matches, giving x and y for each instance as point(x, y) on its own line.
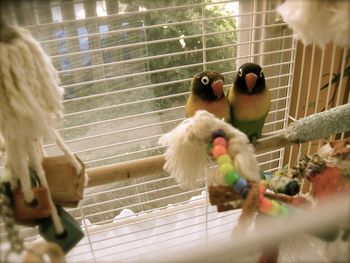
point(187, 160)
point(186, 156)
point(30, 107)
point(218, 149)
point(53, 251)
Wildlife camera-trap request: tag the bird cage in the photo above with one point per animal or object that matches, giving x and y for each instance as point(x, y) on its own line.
point(126, 69)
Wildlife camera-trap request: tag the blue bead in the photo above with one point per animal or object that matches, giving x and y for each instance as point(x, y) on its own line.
point(244, 192)
point(240, 184)
point(219, 133)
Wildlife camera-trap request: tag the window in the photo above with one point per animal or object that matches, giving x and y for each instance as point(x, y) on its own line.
point(126, 68)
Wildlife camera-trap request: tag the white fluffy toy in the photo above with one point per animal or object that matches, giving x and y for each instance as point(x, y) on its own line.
point(187, 157)
point(30, 106)
point(318, 22)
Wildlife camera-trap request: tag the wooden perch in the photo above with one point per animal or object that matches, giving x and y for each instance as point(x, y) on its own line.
point(125, 170)
point(153, 165)
point(317, 126)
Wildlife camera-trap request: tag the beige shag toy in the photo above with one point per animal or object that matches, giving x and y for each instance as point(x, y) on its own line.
point(30, 107)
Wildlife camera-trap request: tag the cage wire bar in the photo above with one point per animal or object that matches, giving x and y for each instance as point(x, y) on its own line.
point(117, 105)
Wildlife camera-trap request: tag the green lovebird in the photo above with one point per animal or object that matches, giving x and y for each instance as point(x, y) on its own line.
point(250, 100)
point(207, 94)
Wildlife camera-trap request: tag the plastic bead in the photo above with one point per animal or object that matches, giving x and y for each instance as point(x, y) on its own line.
point(219, 133)
point(265, 205)
point(220, 141)
point(231, 177)
point(225, 158)
point(261, 197)
point(244, 192)
point(219, 150)
point(240, 184)
point(262, 188)
point(226, 168)
point(275, 208)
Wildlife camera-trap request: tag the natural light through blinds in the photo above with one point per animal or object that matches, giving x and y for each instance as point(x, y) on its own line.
point(126, 68)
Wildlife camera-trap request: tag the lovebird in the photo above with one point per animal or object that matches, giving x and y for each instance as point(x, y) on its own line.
point(207, 94)
point(249, 100)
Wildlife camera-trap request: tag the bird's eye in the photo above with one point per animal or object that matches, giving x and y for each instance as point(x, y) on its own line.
point(261, 73)
point(240, 72)
point(205, 80)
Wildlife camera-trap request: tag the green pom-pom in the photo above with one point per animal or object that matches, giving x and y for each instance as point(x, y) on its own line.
point(231, 177)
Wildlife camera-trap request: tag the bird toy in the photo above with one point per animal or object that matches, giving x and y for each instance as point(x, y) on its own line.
point(186, 154)
point(30, 107)
point(307, 19)
point(232, 178)
point(237, 176)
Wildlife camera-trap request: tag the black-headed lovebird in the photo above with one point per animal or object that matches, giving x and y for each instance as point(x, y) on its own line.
point(250, 100)
point(207, 94)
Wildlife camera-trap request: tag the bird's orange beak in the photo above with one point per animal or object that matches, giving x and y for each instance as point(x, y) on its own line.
point(218, 87)
point(250, 80)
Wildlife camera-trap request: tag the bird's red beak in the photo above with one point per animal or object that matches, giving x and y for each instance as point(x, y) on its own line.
point(218, 87)
point(250, 80)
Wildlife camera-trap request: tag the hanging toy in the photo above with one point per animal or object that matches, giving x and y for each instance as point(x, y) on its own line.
point(186, 153)
point(187, 161)
point(324, 174)
point(197, 141)
point(30, 107)
point(235, 184)
point(40, 207)
point(337, 154)
point(280, 182)
point(33, 254)
point(234, 181)
point(318, 22)
point(328, 173)
point(53, 251)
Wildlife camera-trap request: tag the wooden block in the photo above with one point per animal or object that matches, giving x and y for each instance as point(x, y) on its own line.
point(224, 197)
point(66, 186)
point(26, 213)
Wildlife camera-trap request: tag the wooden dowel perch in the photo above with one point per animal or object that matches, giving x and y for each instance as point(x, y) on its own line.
point(314, 127)
point(125, 170)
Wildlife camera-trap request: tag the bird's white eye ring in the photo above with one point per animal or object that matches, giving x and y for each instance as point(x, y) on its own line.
point(205, 80)
point(261, 73)
point(240, 72)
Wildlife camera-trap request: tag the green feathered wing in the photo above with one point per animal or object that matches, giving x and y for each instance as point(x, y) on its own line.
point(250, 128)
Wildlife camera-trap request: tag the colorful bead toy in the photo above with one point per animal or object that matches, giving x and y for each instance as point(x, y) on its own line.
point(218, 149)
